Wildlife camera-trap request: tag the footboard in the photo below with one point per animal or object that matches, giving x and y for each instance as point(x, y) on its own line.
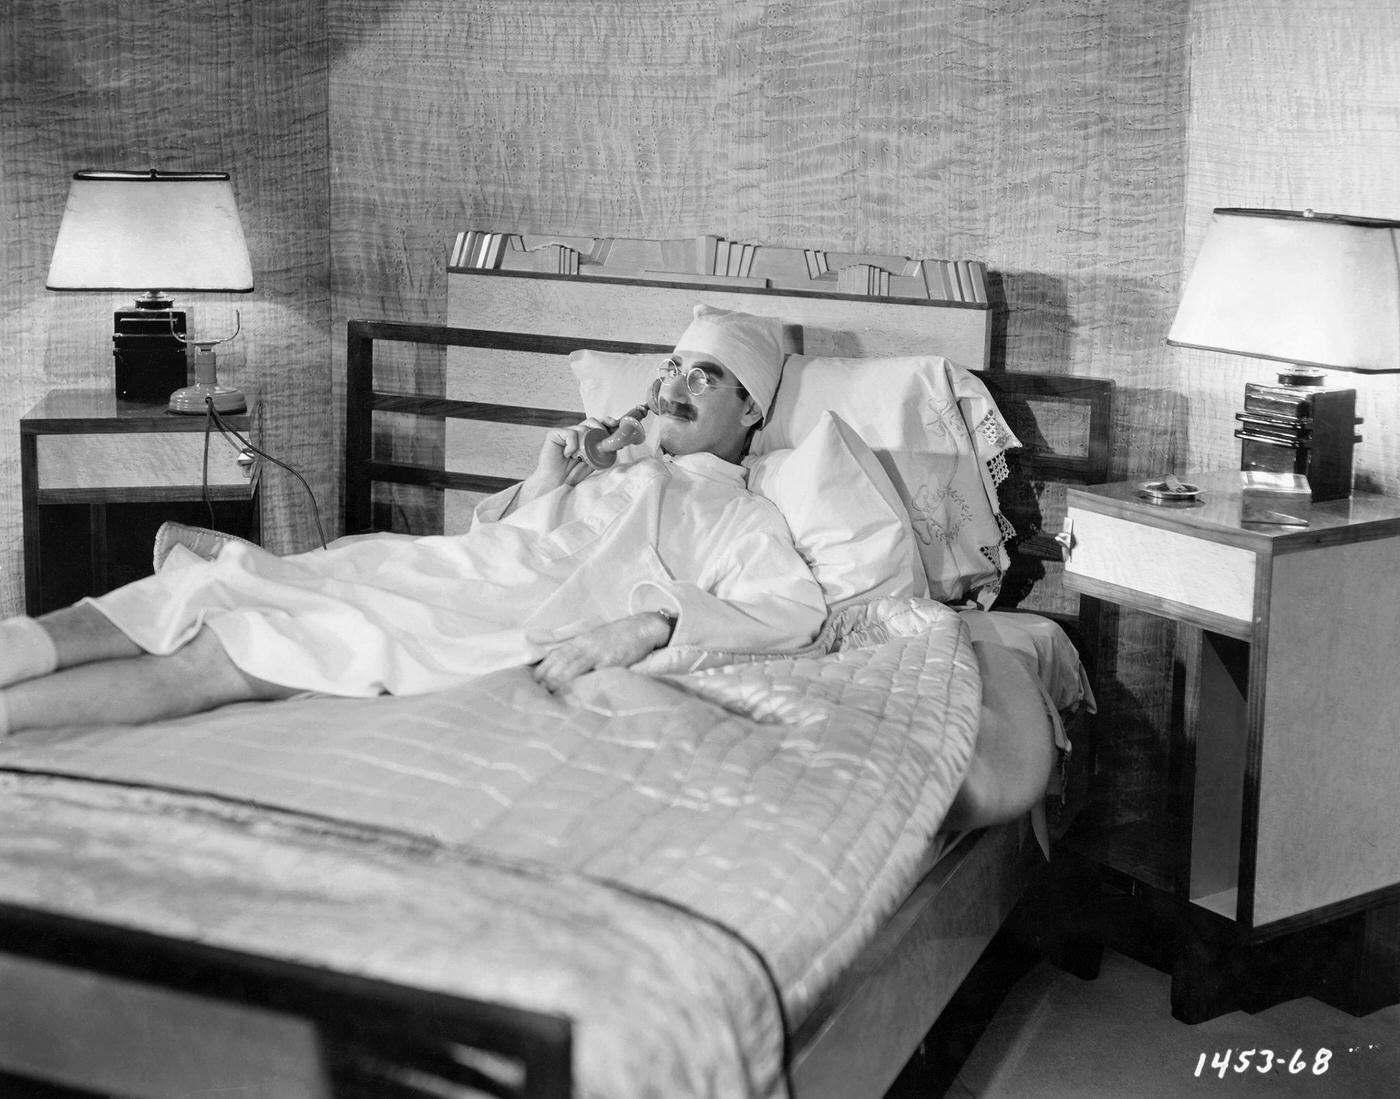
point(332, 1033)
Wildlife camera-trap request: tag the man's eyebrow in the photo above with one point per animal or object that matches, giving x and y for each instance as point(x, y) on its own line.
point(711, 369)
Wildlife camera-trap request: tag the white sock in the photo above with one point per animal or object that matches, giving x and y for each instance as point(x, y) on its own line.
point(26, 650)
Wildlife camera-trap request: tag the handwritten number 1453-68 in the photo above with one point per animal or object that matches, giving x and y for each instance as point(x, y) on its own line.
point(1264, 1060)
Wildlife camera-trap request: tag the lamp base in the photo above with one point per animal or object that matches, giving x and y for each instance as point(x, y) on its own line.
point(191, 400)
point(1306, 429)
point(149, 353)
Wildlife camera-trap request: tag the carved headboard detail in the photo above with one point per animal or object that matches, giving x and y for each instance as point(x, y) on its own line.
point(706, 259)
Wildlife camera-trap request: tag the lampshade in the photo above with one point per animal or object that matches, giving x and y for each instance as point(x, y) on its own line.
point(1321, 290)
point(151, 231)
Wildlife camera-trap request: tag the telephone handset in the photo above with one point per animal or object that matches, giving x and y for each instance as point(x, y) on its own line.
point(599, 446)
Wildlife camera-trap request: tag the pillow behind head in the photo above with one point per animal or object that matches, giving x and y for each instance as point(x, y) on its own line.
point(611, 383)
point(846, 518)
point(939, 436)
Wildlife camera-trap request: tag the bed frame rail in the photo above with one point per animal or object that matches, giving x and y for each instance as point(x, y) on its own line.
point(372, 1038)
point(363, 399)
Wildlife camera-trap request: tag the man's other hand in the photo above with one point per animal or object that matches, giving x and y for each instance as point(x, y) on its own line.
point(614, 644)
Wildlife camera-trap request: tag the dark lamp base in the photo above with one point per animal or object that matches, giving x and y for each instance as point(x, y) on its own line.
point(149, 353)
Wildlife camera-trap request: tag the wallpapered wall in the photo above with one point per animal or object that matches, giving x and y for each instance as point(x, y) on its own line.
point(1045, 138)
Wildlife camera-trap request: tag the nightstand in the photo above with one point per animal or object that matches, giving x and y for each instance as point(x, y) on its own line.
point(100, 475)
point(1283, 814)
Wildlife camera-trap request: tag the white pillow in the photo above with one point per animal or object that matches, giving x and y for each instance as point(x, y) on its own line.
point(845, 516)
point(610, 383)
point(940, 437)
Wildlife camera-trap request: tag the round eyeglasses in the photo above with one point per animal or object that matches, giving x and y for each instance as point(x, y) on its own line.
point(697, 381)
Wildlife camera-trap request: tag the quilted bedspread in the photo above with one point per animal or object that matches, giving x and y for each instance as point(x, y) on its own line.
point(686, 859)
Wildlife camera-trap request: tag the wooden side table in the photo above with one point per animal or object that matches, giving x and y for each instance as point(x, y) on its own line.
point(99, 476)
point(1282, 814)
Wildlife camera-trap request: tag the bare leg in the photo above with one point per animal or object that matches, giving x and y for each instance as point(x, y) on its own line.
point(81, 634)
point(137, 689)
point(33, 647)
point(1015, 750)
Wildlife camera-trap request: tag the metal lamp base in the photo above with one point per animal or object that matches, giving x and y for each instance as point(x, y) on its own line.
point(193, 400)
point(1307, 429)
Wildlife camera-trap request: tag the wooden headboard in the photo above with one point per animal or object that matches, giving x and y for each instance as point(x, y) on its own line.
point(519, 305)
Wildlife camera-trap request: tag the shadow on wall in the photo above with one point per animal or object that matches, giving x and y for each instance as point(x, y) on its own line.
point(1033, 330)
point(1151, 433)
point(1031, 325)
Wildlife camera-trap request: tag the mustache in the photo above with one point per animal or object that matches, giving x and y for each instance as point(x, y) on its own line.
point(682, 410)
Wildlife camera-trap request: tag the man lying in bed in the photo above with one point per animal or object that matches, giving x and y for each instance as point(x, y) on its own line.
point(564, 572)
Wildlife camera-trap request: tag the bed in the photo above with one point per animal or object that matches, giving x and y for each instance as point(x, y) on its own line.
point(316, 889)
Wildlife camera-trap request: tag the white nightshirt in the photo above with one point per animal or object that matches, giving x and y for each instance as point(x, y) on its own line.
point(407, 615)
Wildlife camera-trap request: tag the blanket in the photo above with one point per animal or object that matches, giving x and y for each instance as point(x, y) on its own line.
point(687, 859)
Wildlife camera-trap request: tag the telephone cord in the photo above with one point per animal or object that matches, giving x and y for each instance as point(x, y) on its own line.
point(214, 420)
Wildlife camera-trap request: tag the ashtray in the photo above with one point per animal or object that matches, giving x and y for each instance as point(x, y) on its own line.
point(1170, 491)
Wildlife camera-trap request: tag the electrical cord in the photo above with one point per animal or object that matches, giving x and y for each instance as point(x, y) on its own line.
point(214, 420)
point(204, 475)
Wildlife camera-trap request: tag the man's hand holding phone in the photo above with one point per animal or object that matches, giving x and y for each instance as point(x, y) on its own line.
point(560, 460)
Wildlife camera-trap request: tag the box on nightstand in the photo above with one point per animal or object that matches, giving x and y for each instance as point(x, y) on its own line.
point(1282, 498)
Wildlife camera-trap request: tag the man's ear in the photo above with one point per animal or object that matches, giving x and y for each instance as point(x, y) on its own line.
point(751, 414)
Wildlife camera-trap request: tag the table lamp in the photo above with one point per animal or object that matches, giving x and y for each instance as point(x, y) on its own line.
point(155, 232)
point(1316, 292)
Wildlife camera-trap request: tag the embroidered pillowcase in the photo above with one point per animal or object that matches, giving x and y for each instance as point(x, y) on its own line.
point(940, 437)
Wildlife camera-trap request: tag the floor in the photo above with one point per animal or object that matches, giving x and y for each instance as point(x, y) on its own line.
point(1036, 1031)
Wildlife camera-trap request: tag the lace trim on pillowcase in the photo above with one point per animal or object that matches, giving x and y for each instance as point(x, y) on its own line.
point(992, 433)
